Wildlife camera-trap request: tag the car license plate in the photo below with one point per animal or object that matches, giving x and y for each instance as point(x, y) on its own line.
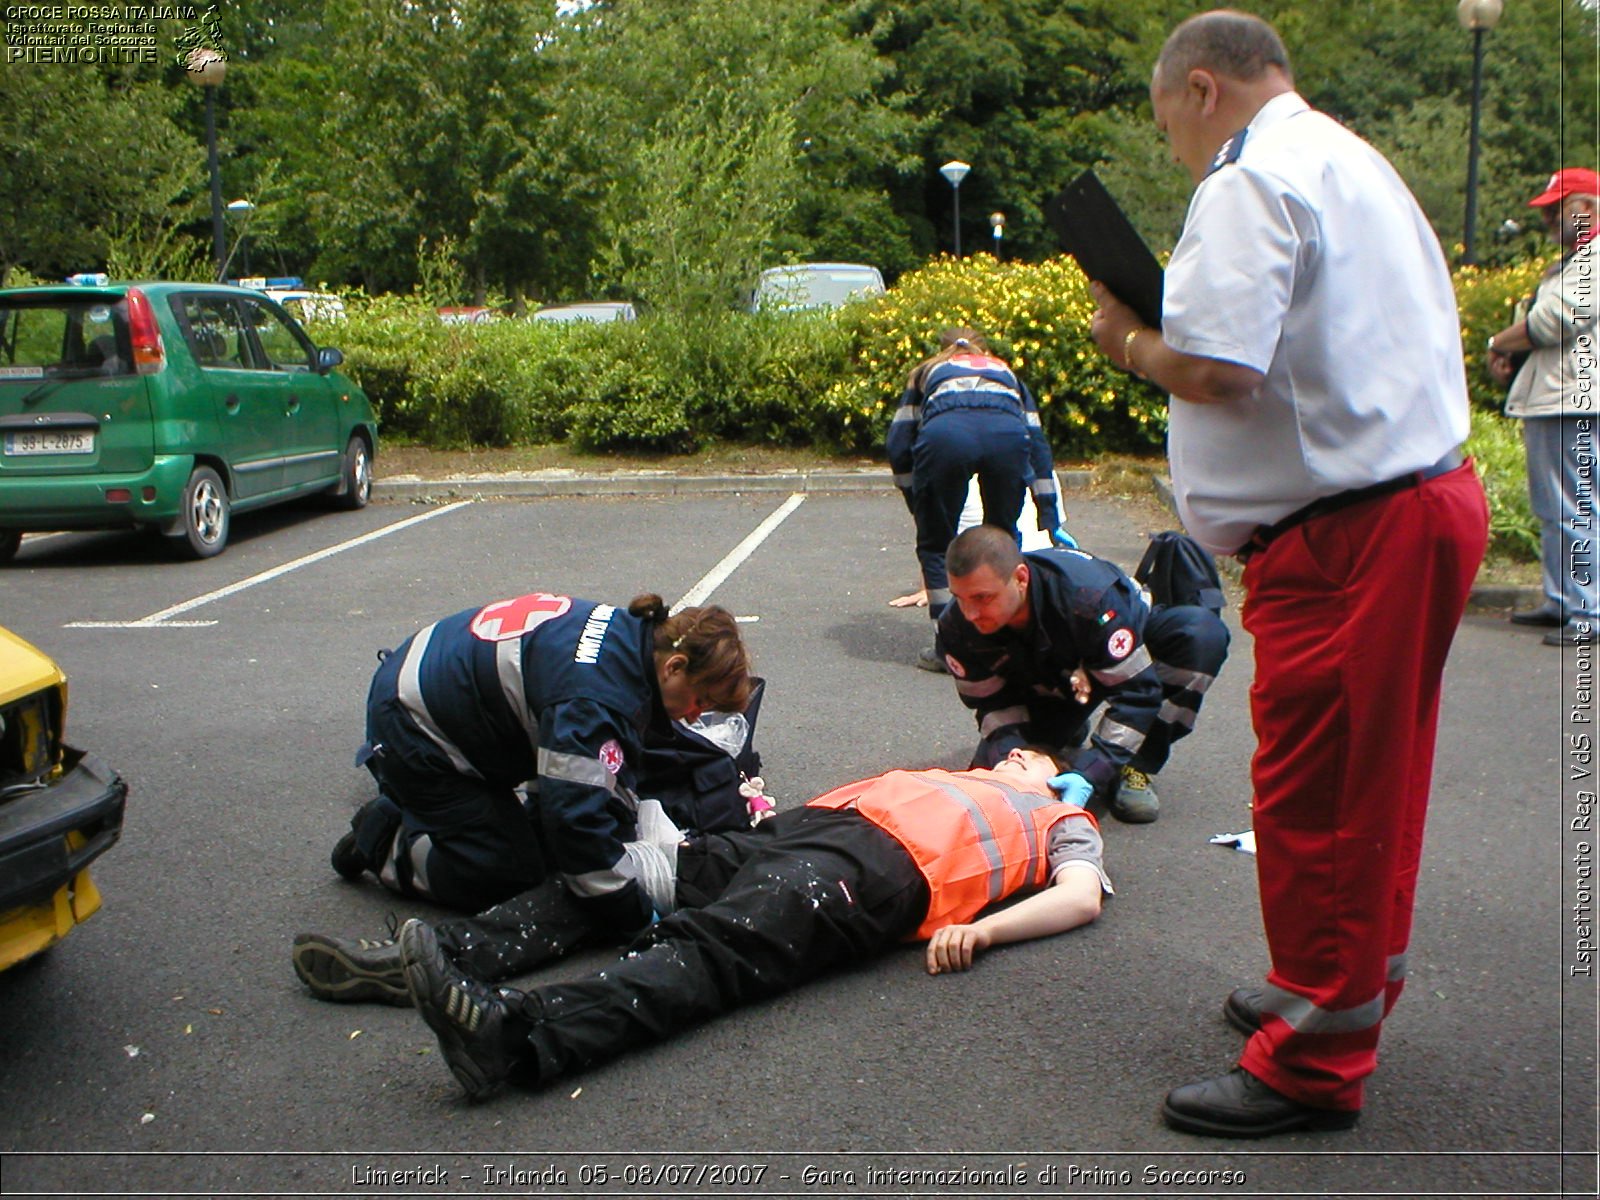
point(51, 441)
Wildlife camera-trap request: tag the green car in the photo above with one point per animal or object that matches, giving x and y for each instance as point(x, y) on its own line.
point(168, 406)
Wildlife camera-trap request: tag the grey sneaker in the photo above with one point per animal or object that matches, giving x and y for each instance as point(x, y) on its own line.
point(931, 660)
point(351, 970)
point(1136, 801)
point(469, 1018)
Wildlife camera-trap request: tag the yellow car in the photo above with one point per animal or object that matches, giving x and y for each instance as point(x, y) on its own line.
point(60, 808)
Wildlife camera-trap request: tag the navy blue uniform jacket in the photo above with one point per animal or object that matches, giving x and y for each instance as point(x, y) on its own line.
point(550, 687)
point(1083, 612)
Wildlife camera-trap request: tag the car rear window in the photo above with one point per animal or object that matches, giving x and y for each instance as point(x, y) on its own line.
point(815, 287)
point(49, 338)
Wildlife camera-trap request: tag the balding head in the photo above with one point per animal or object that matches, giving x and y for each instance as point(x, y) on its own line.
point(1226, 42)
point(1215, 73)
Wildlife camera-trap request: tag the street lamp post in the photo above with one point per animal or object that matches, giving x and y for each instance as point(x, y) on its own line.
point(997, 222)
point(206, 68)
point(1478, 16)
point(955, 171)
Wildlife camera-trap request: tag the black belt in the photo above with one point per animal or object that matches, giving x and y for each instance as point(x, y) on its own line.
point(1265, 535)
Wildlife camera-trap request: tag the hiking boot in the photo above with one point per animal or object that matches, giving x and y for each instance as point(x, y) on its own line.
point(351, 970)
point(1136, 801)
point(347, 859)
point(931, 660)
point(470, 1018)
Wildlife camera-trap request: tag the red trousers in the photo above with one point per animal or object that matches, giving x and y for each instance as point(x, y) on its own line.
point(1352, 615)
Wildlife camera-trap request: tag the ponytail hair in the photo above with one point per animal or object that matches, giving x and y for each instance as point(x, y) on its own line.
point(648, 606)
point(958, 339)
point(718, 664)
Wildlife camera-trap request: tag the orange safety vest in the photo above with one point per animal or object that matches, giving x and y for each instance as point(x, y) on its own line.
point(975, 838)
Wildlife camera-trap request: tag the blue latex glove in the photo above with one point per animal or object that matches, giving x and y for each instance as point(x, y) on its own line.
point(1072, 787)
point(1063, 539)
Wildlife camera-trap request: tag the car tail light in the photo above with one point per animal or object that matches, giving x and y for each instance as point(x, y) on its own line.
point(149, 355)
point(118, 496)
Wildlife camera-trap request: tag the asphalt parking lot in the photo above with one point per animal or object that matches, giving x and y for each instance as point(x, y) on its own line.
point(166, 1048)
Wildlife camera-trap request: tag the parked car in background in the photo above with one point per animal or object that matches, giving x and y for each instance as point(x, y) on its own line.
point(467, 314)
point(300, 302)
point(804, 286)
point(60, 808)
point(598, 311)
point(168, 406)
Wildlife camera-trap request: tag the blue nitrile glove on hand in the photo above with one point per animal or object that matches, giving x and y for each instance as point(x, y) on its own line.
point(1072, 788)
point(1063, 539)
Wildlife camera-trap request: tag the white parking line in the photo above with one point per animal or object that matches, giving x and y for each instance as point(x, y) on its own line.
point(163, 619)
point(730, 561)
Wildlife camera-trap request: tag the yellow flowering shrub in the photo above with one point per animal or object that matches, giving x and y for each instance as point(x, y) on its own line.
point(1035, 316)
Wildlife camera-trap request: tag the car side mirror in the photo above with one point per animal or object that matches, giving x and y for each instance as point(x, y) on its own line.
point(328, 358)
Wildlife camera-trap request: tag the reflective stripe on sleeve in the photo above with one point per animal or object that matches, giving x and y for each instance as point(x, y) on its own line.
point(409, 690)
point(575, 768)
point(1124, 670)
point(602, 882)
point(906, 412)
point(904, 482)
point(938, 596)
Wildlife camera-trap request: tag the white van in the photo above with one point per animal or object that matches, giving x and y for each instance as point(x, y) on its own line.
point(814, 285)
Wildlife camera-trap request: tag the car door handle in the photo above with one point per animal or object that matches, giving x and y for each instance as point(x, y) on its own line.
point(231, 403)
point(294, 406)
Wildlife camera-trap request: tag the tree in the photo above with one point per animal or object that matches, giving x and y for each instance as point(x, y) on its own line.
point(85, 148)
point(420, 121)
point(712, 121)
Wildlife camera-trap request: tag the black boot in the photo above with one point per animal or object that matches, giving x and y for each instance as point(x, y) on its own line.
point(479, 1031)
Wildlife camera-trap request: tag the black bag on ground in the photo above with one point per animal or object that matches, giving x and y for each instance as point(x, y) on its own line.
point(1177, 570)
point(696, 780)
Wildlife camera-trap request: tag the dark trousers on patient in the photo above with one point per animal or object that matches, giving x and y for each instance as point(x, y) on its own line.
point(807, 892)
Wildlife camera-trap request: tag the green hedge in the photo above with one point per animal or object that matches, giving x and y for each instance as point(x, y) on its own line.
point(827, 380)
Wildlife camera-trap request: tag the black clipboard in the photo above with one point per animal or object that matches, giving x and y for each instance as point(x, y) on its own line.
point(1097, 233)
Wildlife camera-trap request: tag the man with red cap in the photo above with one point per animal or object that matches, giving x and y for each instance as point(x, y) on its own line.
point(1553, 394)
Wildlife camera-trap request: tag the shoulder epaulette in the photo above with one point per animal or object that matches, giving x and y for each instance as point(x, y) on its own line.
point(1229, 151)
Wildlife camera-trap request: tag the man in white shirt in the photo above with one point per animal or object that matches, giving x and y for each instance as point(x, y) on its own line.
point(1310, 343)
point(1553, 395)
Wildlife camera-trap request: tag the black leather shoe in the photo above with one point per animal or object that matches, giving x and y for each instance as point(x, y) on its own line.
point(1240, 1105)
point(1544, 616)
point(1242, 1009)
point(470, 1018)
point(1573, 633)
